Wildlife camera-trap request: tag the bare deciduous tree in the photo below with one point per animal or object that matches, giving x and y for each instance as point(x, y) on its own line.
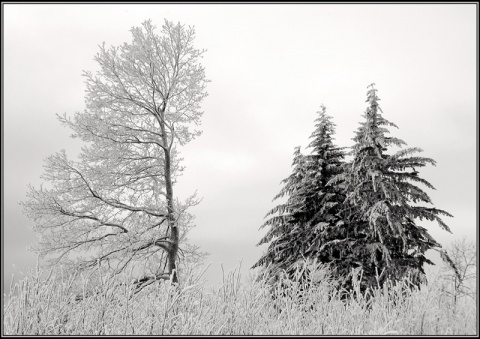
point(115, 206)
point(460, 268)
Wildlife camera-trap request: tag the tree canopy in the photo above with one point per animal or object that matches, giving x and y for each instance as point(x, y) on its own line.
point(382, 203)
point(360, 214)
point(305, 222)
point(115, 206)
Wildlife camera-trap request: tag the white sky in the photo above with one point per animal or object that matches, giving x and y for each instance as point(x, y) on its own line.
point(271, 67)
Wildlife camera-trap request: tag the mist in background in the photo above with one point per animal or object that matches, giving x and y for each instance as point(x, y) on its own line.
point(271, 68)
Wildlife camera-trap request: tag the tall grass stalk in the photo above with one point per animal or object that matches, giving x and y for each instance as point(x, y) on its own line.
point(51, 306)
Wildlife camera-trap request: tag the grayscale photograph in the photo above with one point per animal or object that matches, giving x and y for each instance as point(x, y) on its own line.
point(239, 168)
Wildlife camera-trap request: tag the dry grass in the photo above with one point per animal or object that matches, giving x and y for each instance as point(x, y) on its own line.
point(47, 307)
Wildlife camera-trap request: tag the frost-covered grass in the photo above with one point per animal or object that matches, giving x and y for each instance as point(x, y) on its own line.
point(47, 306)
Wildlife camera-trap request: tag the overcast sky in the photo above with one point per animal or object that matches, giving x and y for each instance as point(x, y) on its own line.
point(271, 68)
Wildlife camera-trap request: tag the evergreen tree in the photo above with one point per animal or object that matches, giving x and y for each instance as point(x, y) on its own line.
point(310, 214)
point(381, 205)
point(286, 227)
point(324, 200)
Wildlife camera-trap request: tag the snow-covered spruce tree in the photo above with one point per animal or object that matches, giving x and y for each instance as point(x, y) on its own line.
point(310, 216)
point(116, 207)
point(324, 201)
point(382, 205)
point(285, 227)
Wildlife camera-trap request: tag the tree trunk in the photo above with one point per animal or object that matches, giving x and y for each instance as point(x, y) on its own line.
point(172, 254)
point(172, 225)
